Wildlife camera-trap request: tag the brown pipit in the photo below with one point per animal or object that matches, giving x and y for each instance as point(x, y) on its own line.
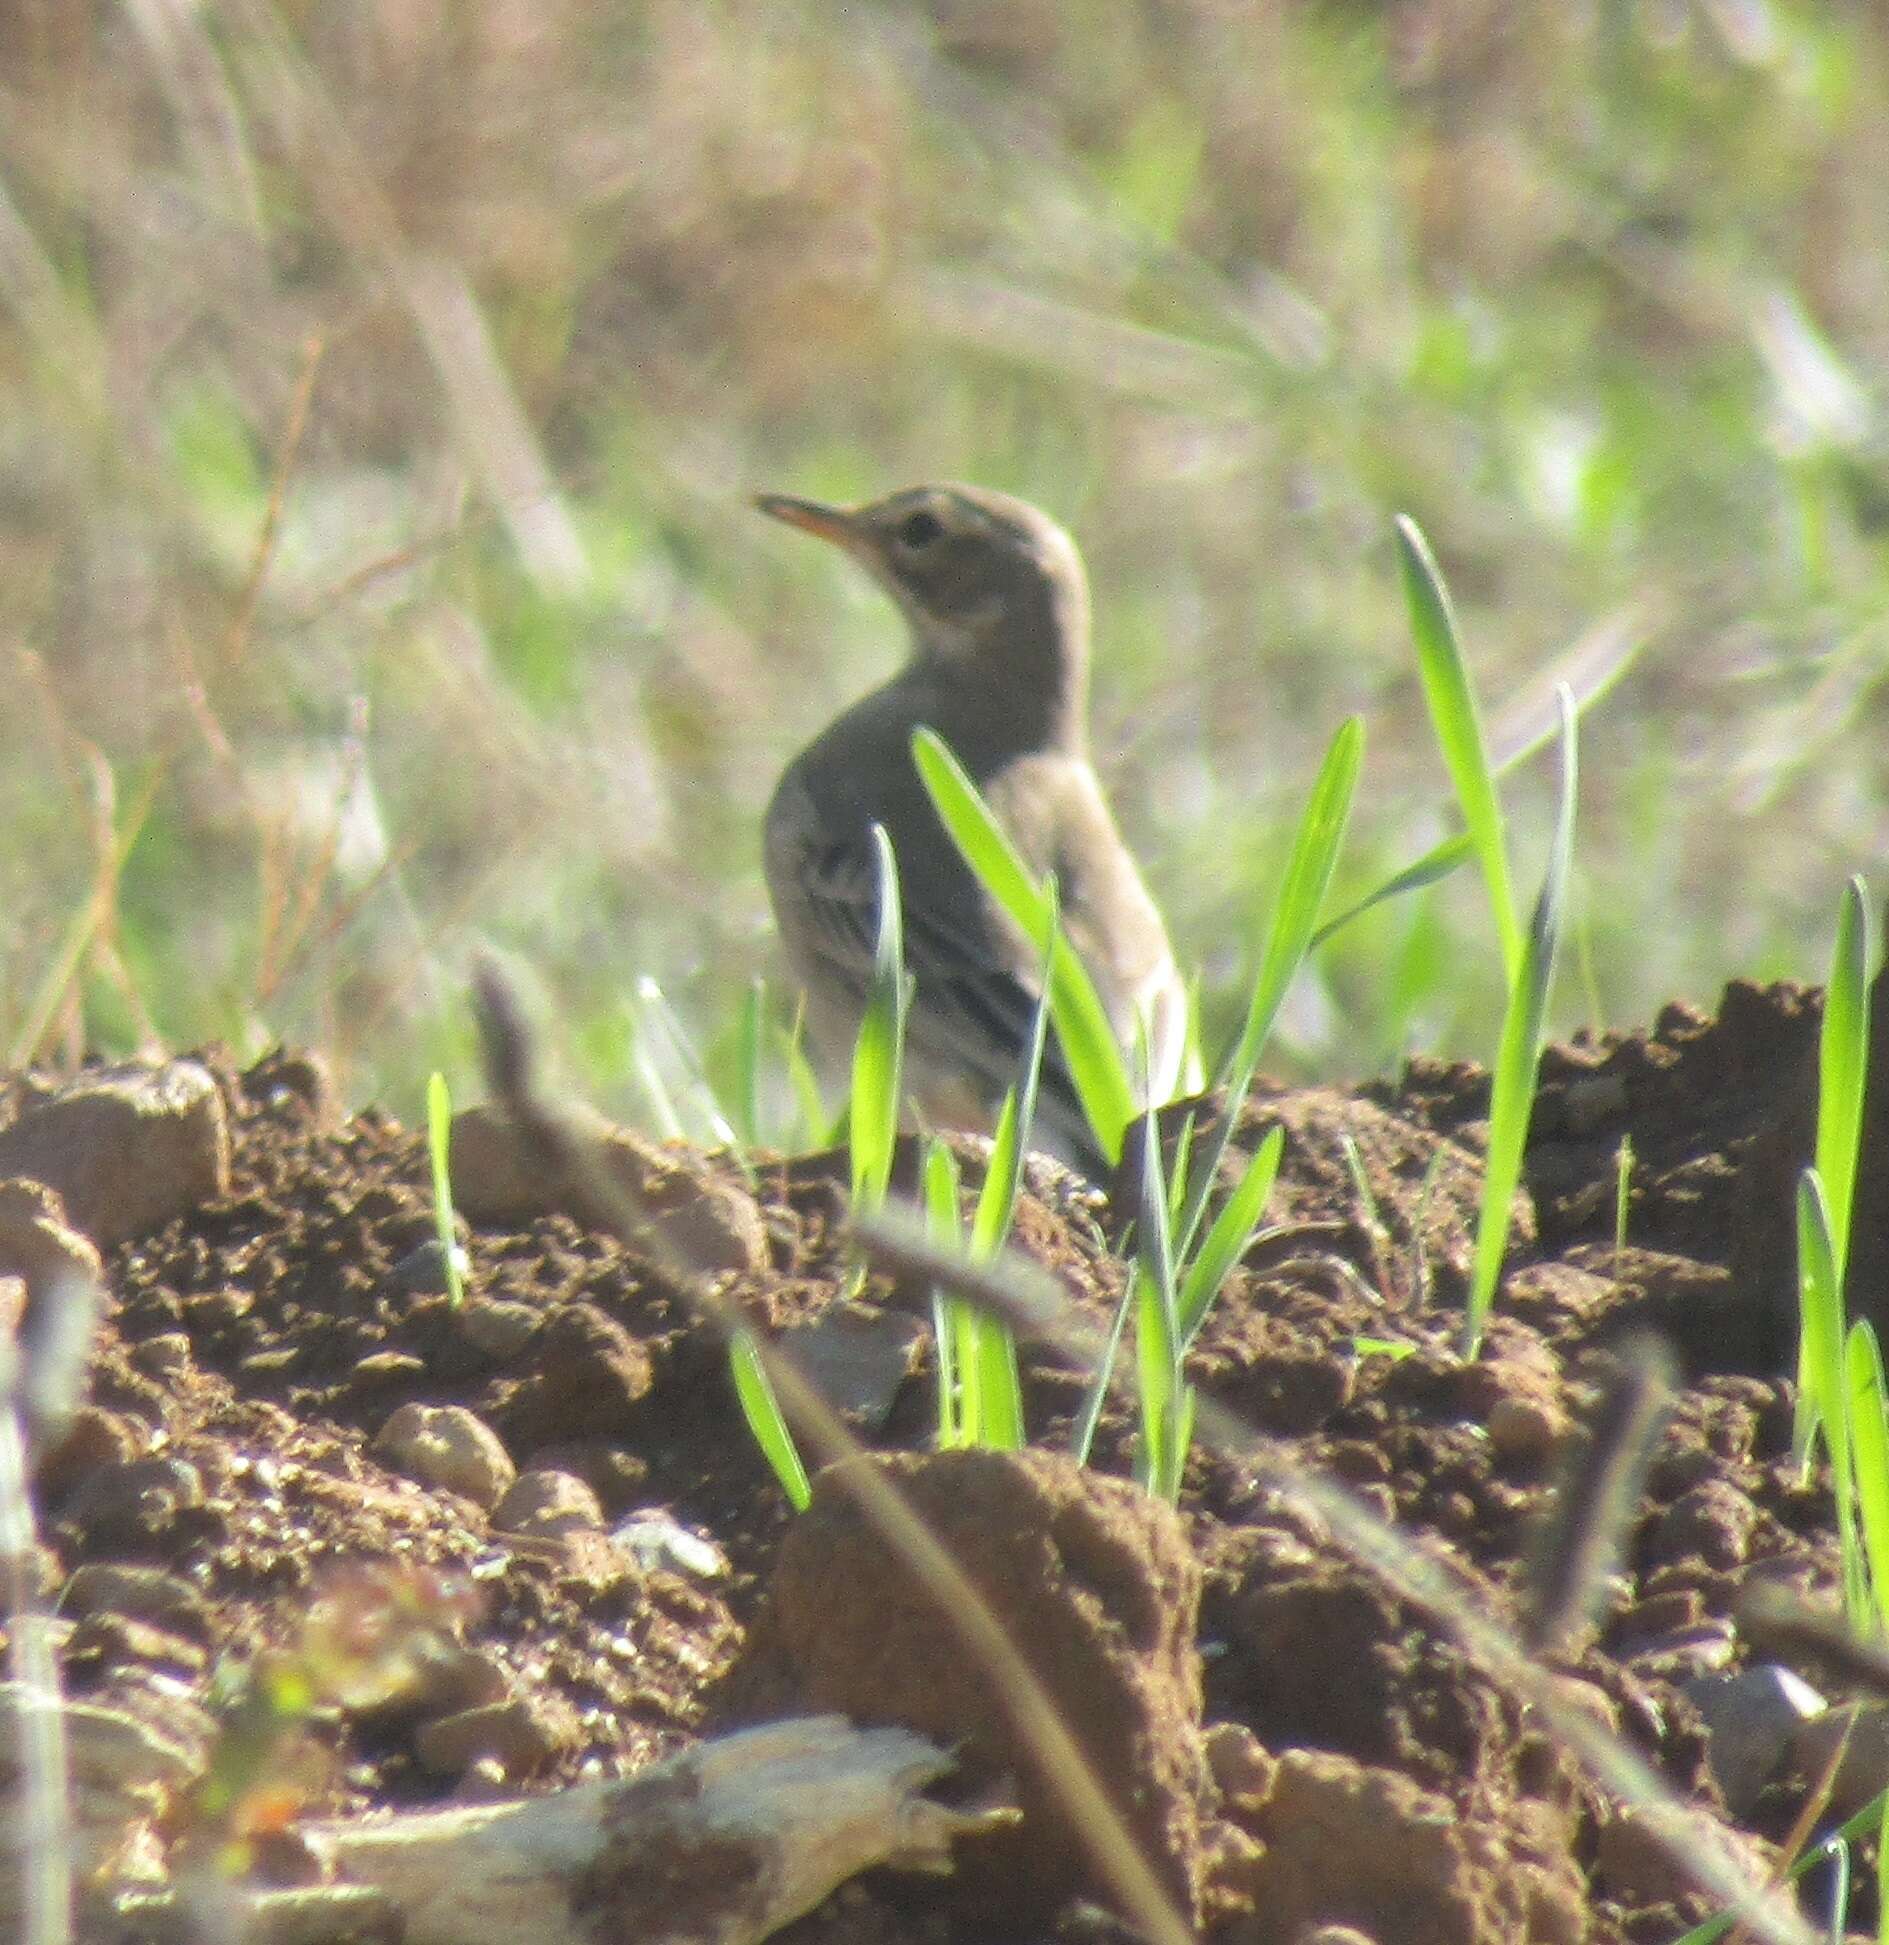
point(995, 598)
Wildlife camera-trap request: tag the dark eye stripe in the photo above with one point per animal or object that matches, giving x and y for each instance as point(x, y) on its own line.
point(919, 529)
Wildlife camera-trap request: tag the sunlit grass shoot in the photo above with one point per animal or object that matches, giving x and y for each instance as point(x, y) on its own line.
point(1842, 1068)
point(877, 1096)
point(439, 1135)
point(766, 1421)
point(1528, 957)
point(1518, 1054)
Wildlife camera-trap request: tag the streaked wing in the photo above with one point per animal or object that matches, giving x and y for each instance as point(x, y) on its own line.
point(838, 884)
point(973, 1009)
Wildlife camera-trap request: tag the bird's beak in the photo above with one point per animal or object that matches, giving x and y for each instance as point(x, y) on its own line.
point(837, 524)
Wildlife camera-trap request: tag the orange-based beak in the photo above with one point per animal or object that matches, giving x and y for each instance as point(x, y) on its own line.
point(837, 524)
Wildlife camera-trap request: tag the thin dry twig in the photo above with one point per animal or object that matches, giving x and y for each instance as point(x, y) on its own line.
point(1597, 1494)
point(58, 988)
point(288, 449)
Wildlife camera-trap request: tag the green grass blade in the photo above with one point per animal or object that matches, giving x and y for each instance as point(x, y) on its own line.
point(1302, 892)
point(1154, 1241)
point(1030, 1076)
point(1229, 1238)
point(1819, 1319)
point(947, 1320)
point(997, 1199)
point(1178, 1169)
point(1842, 1069)
point(1590, 669)
point(1457, 722)
point(878, 1053)
point(976, 832)
point(998, 1386)
point(1154, 1373)
point(1436, 863)
point(1518, 1056)
point(1003, 1176)
point(1093, 1055)
point(654, 1009)
point(940, 1176)
point(980, 1395)
point(967, 1342)
point(661, 1102)
point(439, 1139)
point(999, 1383)
point(1082, 1434)
point(1193, 1058)
point(815, 1127)
point(1869, 1456)
point(1820, 1298)
point(762, 1410)
point(1310, 864)
point(1843, 1062)
point(1157, 1337)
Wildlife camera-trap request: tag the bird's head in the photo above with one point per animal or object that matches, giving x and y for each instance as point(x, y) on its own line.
point(982, 578)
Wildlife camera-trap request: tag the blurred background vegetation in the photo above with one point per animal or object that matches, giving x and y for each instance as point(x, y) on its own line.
point(381, 386)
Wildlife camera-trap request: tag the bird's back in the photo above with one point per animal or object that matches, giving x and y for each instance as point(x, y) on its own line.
point(860, 772)
point(857, 773)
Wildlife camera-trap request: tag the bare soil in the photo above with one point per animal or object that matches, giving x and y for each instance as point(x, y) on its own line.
point(1295, 1746)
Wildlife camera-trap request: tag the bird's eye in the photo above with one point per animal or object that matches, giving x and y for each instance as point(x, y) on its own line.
point(919, 529)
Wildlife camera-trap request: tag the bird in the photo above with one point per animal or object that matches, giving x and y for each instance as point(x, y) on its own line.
point(996, 604)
